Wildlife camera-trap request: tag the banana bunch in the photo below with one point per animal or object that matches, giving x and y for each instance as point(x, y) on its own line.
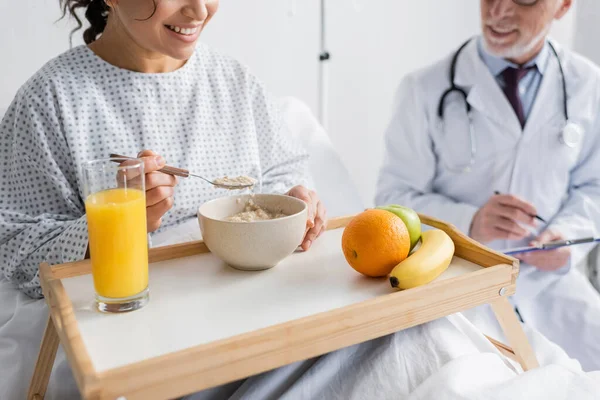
point(426, 262)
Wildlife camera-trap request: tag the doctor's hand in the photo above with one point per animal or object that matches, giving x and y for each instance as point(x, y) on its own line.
point(547, 260)
point(501, 218)
point(160, 189)
point(316, 222)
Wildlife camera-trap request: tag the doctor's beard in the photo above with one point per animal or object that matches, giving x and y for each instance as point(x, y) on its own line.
point(518, 50)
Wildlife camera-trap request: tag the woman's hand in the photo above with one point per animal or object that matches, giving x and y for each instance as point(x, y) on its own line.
point(317, 215)
point(160, 188)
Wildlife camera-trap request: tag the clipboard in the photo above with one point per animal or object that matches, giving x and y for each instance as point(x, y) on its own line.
point(551, 245)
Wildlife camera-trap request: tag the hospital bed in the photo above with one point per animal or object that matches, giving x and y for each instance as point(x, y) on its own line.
point(332, 181)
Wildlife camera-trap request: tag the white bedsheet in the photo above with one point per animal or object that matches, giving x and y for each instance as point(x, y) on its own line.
point(445, 359)
point(483, 375)
point(22, 323)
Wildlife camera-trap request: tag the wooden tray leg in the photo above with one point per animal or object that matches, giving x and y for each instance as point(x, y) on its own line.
point(44, 363)
point(514, 333)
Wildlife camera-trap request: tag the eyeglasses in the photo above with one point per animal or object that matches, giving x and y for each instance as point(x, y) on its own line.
point(525, 2)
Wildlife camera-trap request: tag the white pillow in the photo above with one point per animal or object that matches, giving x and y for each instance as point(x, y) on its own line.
point(331, 179)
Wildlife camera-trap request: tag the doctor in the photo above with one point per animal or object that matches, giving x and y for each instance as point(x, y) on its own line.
point(506, 128)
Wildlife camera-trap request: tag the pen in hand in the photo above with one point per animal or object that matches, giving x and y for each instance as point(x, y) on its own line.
point(533, 216)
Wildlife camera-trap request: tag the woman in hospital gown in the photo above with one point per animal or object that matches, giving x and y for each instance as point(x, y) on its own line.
point(209, 115)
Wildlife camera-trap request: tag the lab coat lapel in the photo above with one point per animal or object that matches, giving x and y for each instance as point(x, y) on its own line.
point(548, 105)
point(485, 95)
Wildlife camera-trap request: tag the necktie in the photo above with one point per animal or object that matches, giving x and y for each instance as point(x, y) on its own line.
point(512, 77)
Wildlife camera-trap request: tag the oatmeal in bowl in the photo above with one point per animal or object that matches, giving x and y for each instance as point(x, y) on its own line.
point(253, 231)
point(253, 212)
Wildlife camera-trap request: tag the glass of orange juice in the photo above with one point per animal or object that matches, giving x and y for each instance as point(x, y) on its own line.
point(115, 206)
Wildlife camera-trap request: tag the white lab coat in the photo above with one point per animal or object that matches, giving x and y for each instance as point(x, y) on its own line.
point(421, 159)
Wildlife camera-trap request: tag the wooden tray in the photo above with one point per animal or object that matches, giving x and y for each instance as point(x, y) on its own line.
point(207, 324)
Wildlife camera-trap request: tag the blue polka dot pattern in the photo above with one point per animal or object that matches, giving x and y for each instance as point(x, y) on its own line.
point(211, 116)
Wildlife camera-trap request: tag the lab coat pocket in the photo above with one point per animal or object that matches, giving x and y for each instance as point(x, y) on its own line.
point(561, 151)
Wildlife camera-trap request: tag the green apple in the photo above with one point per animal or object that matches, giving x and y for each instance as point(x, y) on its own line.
point(410, 218)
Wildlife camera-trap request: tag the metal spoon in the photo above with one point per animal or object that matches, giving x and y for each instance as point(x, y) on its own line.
point(184, 173)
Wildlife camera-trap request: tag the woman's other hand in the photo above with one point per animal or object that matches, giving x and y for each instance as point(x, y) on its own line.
point(317, 215)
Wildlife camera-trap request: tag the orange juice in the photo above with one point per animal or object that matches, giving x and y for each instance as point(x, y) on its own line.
point(118, 241)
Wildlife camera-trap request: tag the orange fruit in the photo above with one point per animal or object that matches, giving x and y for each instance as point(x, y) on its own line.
point(375, 241)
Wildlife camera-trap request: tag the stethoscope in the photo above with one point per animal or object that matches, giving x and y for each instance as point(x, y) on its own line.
point(571, 133)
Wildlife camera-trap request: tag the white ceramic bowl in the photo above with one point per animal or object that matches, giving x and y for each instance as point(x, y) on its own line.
point(254, 245)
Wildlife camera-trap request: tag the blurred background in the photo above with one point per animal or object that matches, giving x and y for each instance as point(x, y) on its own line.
point(373, 44)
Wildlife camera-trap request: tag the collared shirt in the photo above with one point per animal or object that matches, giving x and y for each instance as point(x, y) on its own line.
point(529, 84)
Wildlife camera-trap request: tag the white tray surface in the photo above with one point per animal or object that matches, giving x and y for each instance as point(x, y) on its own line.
point(199, 299)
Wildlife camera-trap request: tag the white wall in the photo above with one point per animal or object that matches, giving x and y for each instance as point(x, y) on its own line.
point(586, 35)
point(28, 38)
point(371, 48)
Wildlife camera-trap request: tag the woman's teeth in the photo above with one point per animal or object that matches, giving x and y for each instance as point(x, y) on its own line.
point(182, 31)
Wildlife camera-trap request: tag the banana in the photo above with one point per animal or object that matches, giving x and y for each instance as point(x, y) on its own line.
point(426, 263)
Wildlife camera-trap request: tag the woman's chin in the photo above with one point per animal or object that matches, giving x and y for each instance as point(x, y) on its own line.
point(181, 53)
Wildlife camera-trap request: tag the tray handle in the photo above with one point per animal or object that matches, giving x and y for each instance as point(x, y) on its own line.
point(468, 248)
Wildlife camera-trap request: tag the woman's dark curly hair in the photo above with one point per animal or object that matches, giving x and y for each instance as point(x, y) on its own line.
point(96, 12)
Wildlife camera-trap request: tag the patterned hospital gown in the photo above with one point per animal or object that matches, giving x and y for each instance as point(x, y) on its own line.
point(211, 116)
